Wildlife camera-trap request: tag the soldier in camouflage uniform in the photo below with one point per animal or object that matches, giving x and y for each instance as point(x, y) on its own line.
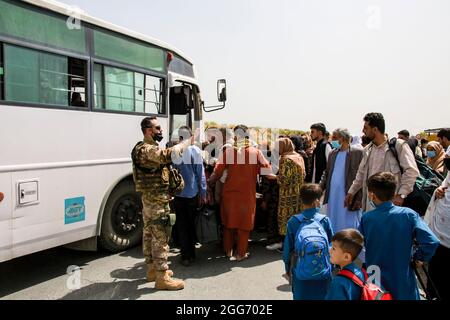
point(151, 177)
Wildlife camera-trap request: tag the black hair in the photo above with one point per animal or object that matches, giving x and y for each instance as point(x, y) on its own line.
point(444, 133)
point(147, 123)
point(319, 127)
point(383, 185)
point(413, 143)
point(375, 119)
point(298, 143)
point(310, 192)
point(350, 241)
point(404, 133)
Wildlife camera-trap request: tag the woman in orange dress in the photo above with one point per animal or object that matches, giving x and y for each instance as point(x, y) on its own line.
point(243, 163)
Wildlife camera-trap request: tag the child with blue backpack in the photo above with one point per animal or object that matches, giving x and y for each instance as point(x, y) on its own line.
point(306, 248)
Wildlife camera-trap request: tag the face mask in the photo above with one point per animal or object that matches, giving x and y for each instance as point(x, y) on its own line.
point(318, 206)
point(431, 154)
point(158, 137)
point(335, 144)
point(447, 163)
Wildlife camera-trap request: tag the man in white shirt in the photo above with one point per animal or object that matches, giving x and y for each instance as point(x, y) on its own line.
point(378, 158)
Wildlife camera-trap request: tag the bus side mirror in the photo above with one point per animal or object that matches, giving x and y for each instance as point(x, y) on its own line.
point(222, 90)
point(221, 96)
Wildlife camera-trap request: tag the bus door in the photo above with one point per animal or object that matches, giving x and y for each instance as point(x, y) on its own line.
point(184, 106)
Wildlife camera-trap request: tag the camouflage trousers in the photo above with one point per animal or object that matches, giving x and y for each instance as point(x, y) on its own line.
point(155, 239)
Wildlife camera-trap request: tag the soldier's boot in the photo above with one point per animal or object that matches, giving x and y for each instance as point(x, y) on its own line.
point(165, 282)
point(151, 273)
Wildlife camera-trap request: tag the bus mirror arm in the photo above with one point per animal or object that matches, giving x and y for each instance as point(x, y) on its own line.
point(212, 108)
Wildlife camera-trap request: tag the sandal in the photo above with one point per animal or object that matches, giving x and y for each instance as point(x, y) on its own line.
point(238, 258)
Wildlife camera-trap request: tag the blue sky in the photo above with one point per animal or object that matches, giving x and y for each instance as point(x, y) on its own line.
point(291, 63)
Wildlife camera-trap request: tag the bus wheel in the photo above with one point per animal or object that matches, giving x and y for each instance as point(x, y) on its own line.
point(122, 219)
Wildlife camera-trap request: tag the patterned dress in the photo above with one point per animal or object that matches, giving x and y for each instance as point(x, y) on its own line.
point(290, 180)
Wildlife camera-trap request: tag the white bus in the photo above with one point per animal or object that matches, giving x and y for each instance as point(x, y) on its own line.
point(72, 95)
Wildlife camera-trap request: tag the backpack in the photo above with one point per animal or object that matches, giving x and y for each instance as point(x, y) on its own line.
point(427, 181)
point(176, 181)
point(369, 290)
point(311, 255)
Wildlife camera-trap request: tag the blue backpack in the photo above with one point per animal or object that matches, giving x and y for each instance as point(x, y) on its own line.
point(311, 255)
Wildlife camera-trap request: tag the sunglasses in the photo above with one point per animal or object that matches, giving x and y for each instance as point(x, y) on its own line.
point(156, 127)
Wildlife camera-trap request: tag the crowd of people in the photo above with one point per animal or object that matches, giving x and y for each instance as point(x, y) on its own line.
point(334, 204)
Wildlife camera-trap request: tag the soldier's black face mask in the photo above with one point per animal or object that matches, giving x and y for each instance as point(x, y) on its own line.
point(158, 137)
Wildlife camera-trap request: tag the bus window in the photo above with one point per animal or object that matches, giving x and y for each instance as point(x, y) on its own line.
point(38, 77)
point(139, 92)
point(124, 90)
point(181, 99)
point(114, 47)
point(99, 92)
point(154, 95)
point(18, 20)
point(180, 66)
point(77, 81)
point(119, 89)
point(181, 105)
point(177, 121)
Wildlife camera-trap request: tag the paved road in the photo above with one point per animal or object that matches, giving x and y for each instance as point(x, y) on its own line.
point(44, 275)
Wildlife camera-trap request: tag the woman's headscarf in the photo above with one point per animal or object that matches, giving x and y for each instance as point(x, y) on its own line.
point(286, 150)
point(436, 163)
point(298, 143)
point(308, 145)
point(413, 143)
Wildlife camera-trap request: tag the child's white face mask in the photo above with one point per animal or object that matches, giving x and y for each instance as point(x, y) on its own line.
point(371, 198)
